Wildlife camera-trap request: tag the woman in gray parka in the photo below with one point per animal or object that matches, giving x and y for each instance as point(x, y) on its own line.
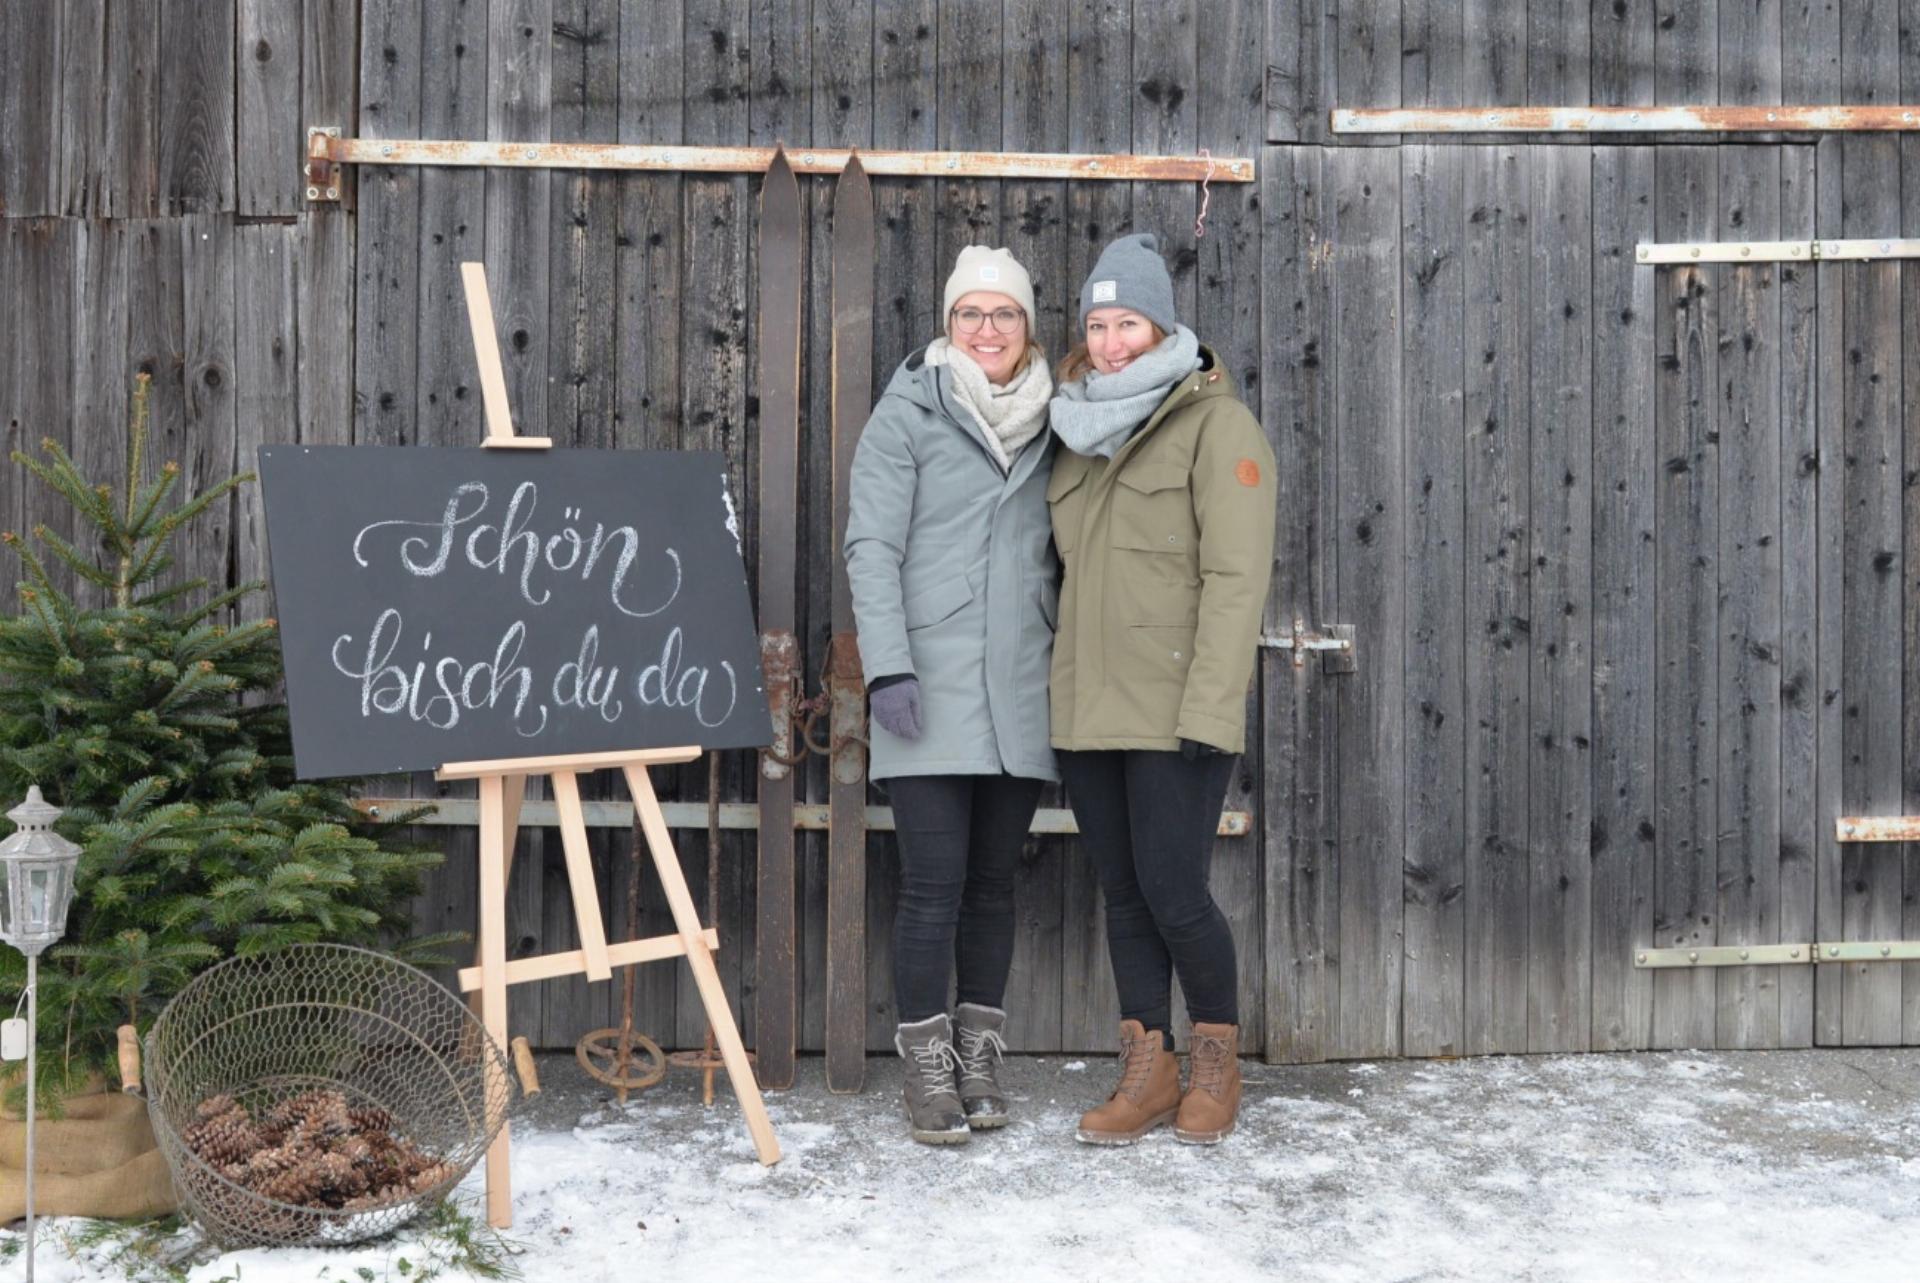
point(950, 555)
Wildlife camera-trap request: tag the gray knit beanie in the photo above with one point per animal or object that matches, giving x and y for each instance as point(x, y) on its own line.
point(1131, 274)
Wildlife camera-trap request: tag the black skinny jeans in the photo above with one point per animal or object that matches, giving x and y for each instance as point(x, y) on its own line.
point(960, 838)
point(1149, 820)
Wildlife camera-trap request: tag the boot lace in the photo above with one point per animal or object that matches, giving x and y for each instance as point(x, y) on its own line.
point(976, 1045)
point(1136, 1064)
point(1209, 1063)
point(935, 1057)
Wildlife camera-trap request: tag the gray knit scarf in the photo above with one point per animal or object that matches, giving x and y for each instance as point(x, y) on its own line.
point(1096, 413)
point(1009, 414)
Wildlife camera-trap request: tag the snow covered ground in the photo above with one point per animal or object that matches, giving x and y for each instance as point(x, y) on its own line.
point(1666, 1167)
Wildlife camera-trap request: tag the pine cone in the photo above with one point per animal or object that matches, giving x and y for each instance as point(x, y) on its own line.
point(340, 1177)
point(268, 1164)
point(298, 1185)
point(214, 1106)
point(432, 1174)
point(370, 1118)
point(326, 1115)
point(355, 1149)
point(227, 1139)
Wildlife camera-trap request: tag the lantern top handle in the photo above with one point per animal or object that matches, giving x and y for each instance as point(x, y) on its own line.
point(36, 812)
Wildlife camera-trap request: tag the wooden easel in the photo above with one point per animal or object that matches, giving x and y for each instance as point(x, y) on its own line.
point(503, 787)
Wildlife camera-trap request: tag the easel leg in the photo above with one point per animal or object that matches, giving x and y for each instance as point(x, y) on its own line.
point(705, 975)
point(514, 792)
point(586, 898)
point(496, 836)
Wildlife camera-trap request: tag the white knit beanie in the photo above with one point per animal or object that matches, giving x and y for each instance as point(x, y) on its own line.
point(980, 268)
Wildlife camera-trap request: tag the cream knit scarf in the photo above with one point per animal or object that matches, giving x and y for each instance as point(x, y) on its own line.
point(1009, 416)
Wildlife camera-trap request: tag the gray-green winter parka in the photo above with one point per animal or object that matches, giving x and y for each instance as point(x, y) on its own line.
point(954, 580)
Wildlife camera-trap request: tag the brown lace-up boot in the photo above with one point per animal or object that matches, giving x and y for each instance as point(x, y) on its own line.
point(1148, 1093)
point(1212, 1102)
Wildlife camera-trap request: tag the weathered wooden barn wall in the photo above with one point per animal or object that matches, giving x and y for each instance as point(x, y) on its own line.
point(1630, 552)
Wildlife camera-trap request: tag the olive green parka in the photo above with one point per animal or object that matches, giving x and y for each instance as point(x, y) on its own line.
point(1168, 550)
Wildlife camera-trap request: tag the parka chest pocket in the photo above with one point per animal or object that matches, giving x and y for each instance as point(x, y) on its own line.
point(1067, 503)
point(1153, 509)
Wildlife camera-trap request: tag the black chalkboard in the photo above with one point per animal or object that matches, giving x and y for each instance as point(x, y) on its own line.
point(454, 605)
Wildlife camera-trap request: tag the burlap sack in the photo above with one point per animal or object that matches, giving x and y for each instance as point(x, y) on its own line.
point(97, 1160)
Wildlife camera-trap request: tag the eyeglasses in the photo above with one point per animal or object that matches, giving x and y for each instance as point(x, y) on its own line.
point(1006, 320)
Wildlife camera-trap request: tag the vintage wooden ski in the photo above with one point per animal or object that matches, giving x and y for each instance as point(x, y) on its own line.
point(846, 690)
point(776, 963)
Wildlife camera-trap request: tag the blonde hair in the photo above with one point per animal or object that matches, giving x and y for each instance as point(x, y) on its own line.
point(1075, 364)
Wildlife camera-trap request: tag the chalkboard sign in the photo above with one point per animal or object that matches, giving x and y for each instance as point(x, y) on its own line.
point(452, 605)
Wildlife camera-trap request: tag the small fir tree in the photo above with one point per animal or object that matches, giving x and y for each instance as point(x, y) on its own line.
point(156, 723)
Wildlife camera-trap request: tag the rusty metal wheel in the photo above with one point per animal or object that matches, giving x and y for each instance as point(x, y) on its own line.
point(601, 1054)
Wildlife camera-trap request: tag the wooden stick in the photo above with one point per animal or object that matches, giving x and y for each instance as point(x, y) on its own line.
point(586, 898)
point(493, 377)
point(524, 1067)
point(705, 975)
point(805, 160)
point(129, 1054)
point(493, 987)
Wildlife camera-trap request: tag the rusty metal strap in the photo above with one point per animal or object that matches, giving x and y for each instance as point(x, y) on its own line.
point(326, 149)
point(1617, 120)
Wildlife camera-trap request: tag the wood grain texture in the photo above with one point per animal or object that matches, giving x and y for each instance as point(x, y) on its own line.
point(1498, 543)
point(1621, 841)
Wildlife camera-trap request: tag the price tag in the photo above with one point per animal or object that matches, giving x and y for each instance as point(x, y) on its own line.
point(13, 1039)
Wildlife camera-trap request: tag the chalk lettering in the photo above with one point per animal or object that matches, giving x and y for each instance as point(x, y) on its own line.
point(392, 689)
point(667, 685)
point(581, 683)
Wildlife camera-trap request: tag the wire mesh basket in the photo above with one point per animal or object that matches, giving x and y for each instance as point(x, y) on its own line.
point(268, 1075)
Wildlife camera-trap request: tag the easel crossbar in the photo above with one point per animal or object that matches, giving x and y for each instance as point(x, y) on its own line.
point(552, 966)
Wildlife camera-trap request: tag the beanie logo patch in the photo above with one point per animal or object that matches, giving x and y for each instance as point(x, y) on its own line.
point(989, 272)
point(1106, 291)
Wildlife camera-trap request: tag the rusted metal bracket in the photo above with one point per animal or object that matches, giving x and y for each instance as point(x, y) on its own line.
point(780, 667)
point(847, 709)
point(319, 171)
point(1858, 250)
point(1623, 120)
point(1335, 644)
point(1877, 828)
point(326, 147)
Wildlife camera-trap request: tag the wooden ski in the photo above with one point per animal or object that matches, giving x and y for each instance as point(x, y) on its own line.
point(775, 962)
point(846, 689)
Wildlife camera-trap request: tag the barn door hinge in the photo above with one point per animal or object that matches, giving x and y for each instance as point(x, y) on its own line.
point(1779, 955)
point(1335, 645)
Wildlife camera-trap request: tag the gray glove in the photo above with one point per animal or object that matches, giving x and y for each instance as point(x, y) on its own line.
point(896, 705)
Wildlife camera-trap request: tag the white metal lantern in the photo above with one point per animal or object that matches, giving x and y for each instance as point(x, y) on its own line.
point(37, 865)
point(36, 886)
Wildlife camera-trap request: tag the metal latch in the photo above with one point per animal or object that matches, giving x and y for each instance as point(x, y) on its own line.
point(320, 172)
point(1335, 646)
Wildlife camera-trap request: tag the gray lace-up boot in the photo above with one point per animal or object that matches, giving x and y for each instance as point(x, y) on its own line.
point(934, 1111)
point(980, 1046)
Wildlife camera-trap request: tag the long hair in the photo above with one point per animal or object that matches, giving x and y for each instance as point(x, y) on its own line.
point(1075, 364)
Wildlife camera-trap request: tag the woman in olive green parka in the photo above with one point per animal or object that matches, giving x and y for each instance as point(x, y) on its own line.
point(1162, 503)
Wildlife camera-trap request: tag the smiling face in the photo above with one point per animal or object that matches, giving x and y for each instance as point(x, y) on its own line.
point(997, 342)
point(1117, 335)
